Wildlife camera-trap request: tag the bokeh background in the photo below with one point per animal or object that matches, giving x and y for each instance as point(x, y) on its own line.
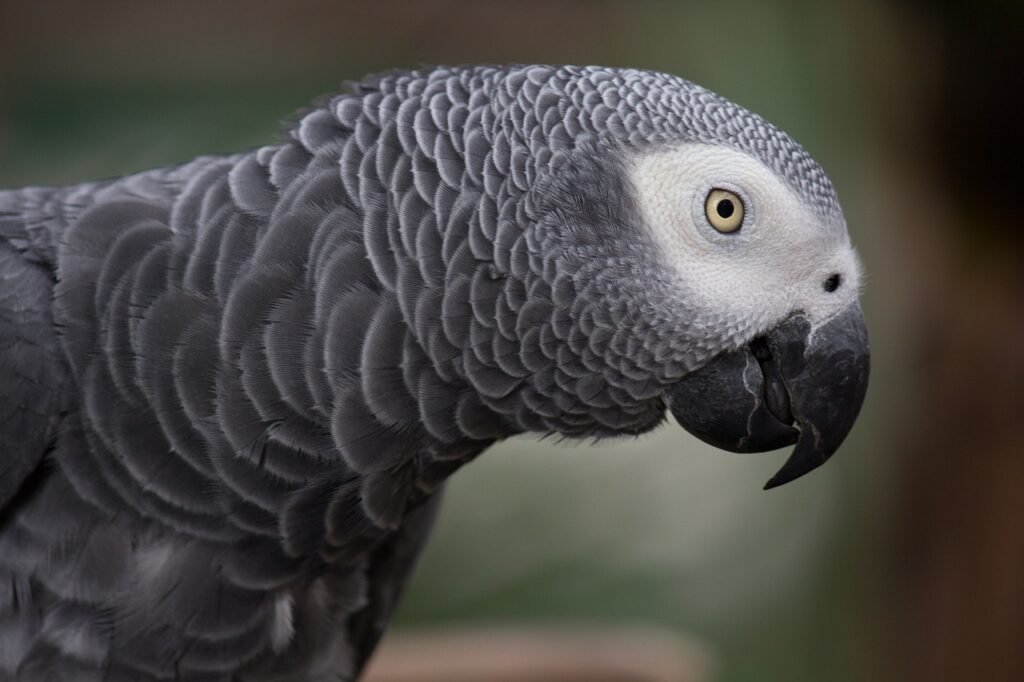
point(903, 559)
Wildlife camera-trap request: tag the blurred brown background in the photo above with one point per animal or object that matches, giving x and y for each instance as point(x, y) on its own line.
point(903, 559)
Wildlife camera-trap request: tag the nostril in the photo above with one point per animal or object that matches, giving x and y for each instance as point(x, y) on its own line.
point(759, 347)
point(833, 282)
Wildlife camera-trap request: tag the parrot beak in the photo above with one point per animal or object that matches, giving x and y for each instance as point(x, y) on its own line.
point(795, 384)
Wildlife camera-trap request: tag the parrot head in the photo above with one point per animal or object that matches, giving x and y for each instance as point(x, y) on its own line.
point(699, 263)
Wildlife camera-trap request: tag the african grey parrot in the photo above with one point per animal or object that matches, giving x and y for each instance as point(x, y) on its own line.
point(231, 390)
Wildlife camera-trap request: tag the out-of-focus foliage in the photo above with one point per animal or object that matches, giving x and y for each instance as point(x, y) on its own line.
point(795, 584)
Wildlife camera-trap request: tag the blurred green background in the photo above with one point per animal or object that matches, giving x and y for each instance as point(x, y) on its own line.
point(901, 559)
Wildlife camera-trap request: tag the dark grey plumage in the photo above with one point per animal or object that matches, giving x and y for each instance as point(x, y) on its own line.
point(232, 389)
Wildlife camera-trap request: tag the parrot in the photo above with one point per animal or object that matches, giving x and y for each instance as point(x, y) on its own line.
point(232, 390)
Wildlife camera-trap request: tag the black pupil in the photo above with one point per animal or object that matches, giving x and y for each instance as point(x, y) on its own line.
point(725, 208)
point(832, 283)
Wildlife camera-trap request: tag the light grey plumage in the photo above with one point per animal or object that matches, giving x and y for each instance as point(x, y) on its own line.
point(233, 388)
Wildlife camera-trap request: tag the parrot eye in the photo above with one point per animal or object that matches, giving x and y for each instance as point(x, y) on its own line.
point(724, 210)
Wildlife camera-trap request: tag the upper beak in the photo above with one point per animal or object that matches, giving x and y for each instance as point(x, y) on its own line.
point(796, 384)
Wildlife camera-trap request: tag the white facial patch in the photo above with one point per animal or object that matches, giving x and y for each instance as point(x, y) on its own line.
point(741, 283)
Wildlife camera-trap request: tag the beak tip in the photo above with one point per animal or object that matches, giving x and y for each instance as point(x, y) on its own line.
point(782, 477)
point(805, 458)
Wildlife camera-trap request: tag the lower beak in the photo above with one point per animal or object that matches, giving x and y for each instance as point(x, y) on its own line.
point(796, 384)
